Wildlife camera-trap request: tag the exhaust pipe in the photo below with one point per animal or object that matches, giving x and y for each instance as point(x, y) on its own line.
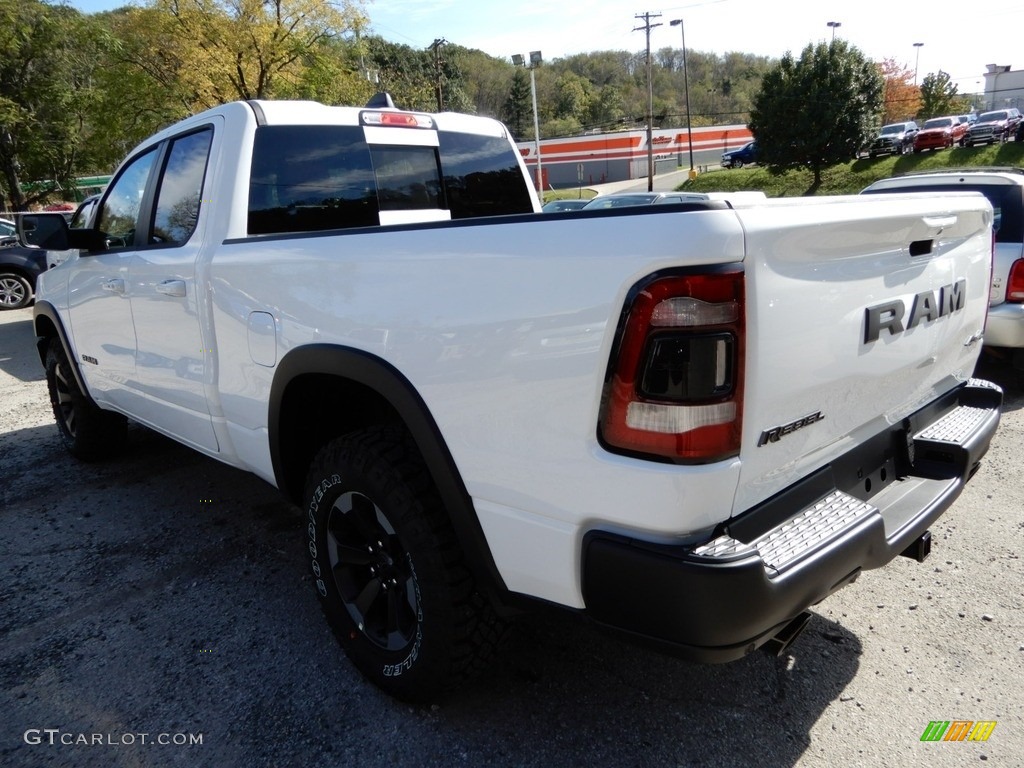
point(784, 638)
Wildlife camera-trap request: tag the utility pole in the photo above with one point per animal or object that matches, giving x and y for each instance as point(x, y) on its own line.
point(647, 27)
point(438, 61)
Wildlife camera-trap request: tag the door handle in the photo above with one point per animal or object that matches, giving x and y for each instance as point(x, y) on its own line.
point(171, 288)
point(114, 285)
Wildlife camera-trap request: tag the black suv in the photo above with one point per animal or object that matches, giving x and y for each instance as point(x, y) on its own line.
point(895, 138)
point(19, 268)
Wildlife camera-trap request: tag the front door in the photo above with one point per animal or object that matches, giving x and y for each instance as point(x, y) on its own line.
point(99, 305)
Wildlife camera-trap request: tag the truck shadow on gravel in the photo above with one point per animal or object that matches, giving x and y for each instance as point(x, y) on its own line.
point(578, 696)
point(163, 591)
point(1000, 372)
point(16, 337)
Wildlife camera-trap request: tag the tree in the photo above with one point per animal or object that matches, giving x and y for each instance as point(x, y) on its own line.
point(47, 58)
point(817, 110)
point(574, 96)
point(251, 49)
point(517, 110)
point(901, 98)
point(939, 96)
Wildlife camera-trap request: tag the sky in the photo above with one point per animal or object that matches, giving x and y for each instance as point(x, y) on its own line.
point(956, 39)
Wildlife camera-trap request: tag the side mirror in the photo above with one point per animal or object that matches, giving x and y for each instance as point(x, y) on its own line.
point(44, 230)
point(50, 231)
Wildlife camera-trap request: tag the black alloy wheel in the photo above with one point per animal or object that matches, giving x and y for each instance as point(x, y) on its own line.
point(372, 572)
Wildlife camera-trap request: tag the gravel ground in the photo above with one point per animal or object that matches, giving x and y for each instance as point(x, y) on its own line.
point(164, 597)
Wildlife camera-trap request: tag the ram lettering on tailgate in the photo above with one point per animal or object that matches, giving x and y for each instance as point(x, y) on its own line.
point(927, 305)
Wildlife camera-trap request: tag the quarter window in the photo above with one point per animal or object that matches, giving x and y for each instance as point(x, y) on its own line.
point(178, 200)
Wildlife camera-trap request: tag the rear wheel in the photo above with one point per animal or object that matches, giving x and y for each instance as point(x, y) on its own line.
point(389, 571)
point(15, 291)
point(88, 432)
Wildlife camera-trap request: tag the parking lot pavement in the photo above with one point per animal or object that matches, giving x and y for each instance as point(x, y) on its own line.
point(164, 597)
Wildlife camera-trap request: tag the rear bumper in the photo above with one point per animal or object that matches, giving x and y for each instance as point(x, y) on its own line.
point(720, 600)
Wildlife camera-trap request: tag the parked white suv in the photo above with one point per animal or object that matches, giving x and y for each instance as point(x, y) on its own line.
point(1004, 188)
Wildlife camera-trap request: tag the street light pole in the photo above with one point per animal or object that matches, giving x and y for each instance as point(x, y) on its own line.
point(917, 60)
point(834, 25)
point(535, 61)
point(686, 92)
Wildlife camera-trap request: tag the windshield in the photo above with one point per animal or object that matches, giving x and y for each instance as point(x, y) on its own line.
point(988, 117)
point(939, 122)
point(887, 129)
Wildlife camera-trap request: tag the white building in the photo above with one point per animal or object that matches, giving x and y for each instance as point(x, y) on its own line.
point(1003, 87)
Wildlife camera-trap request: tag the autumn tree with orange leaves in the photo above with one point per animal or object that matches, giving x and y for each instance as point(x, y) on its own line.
point(901, 97)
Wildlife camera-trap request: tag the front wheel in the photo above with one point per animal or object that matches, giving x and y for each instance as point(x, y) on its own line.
point(89, 433)
point(389, 571)
point(736, 163)
point(15, 291)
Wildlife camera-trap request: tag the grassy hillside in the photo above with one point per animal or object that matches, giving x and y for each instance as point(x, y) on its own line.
point(851, 178)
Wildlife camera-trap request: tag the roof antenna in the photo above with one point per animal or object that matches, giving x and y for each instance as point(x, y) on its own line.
point(381, 100)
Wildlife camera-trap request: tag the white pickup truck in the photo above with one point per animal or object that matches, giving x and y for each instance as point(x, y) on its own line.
point(689, 422)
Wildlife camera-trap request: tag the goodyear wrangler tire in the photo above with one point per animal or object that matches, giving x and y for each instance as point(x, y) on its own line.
point(88, 432)
point(388, 569)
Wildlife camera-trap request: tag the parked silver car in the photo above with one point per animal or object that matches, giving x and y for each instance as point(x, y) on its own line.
point(1004, 189)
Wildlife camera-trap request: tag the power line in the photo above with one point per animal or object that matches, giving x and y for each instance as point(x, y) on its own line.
point(438, 64)
point(647, 27)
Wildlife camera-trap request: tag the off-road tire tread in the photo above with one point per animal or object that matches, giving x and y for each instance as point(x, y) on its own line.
point(98, 434)
point(476, 632)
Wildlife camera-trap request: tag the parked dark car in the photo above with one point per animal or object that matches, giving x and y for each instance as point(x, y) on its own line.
point(894, 139)
point(737, 158)
point(557, 206)
point(997, 125)
point(628, 199)
point(19, 268)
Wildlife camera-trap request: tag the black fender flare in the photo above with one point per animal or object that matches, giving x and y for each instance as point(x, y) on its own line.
point(44, 309)
point(390, 384)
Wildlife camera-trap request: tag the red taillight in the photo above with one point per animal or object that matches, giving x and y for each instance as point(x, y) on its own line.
point(1015, 283)
point(675, 388)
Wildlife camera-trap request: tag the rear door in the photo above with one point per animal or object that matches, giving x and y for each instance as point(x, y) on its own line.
point(173, 362)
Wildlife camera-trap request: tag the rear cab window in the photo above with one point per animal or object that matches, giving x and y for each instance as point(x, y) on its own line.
point(310, 178)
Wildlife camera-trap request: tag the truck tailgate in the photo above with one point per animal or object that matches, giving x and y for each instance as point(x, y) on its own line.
point(853, 324)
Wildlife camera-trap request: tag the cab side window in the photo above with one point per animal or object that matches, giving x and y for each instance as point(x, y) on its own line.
point(120, 213)
point(179, 195)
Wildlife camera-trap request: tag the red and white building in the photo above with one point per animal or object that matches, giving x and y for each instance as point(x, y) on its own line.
point(600, 158)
